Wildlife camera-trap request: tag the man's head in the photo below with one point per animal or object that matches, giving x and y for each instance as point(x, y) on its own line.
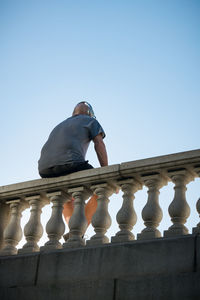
point(83, 108)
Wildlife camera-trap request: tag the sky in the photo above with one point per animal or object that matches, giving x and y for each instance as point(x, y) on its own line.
point(136, 62)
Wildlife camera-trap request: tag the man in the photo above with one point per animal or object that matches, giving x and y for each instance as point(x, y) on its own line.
point(65, 150)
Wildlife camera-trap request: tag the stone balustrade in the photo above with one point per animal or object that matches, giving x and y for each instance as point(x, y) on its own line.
point(130, 177)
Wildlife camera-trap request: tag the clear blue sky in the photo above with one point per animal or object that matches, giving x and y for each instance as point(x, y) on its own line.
point(136, 62)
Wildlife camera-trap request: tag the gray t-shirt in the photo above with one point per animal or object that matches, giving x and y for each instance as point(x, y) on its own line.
point(69, 141)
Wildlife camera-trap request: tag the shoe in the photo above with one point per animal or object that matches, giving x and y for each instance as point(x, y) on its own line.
point(66, 236)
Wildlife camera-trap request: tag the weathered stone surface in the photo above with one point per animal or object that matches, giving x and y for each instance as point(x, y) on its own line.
point(71, 290)
point(165, 287)
point(156, 269)
point(174, 286)
point(166, 255)
point(156, 287)
point(18, 270)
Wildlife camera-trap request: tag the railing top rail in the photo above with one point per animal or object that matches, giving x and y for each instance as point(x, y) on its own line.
point(103, 174)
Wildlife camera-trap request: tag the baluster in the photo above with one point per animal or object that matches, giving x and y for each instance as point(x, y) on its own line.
point(78, 222)
point(179, 209)
point(101, 220)
point(55, 226)
point(197, 228)
point(126, 216)
point(33, 230)
point(152, 213)
point(4, 219)
point(13, 231)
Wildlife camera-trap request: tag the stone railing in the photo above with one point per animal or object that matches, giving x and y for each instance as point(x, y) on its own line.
point(154, 173)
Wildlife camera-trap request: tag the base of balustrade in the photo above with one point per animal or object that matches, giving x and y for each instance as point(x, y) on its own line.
point(146, 235)
point(74, 243)
point(122, 238)
point(8, 251)
point(98, 241)
point(51, 247)
point(28, 250)
point(175, 232)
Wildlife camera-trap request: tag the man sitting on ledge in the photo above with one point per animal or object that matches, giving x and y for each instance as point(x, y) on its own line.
point(65, 151)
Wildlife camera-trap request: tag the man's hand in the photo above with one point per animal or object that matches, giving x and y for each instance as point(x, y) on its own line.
point(100, 149)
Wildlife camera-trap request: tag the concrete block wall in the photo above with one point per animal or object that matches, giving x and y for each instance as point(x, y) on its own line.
point(165, 268)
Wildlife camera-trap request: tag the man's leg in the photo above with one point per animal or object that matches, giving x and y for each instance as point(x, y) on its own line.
point(68, 209)
point(90, 209)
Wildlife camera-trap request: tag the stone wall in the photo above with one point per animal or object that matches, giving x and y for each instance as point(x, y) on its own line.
point(165, 268)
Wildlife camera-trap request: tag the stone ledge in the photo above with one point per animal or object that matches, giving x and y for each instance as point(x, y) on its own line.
point(164, 161)
point(97, 175)
point(85, 178)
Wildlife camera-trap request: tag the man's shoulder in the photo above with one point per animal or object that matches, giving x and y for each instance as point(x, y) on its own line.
point(81, 118)
point(78, 120)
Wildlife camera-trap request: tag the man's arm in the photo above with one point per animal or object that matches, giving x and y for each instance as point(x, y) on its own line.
point(100, 149)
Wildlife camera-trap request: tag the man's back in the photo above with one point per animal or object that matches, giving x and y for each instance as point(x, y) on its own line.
point(69, 141)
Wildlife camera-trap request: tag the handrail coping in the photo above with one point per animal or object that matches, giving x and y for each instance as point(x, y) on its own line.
point(99, 175)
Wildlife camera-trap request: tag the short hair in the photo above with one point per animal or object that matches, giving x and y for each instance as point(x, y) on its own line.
point(90, 110)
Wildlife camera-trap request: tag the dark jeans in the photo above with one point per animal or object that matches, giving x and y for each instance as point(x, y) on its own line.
point(65, 169)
